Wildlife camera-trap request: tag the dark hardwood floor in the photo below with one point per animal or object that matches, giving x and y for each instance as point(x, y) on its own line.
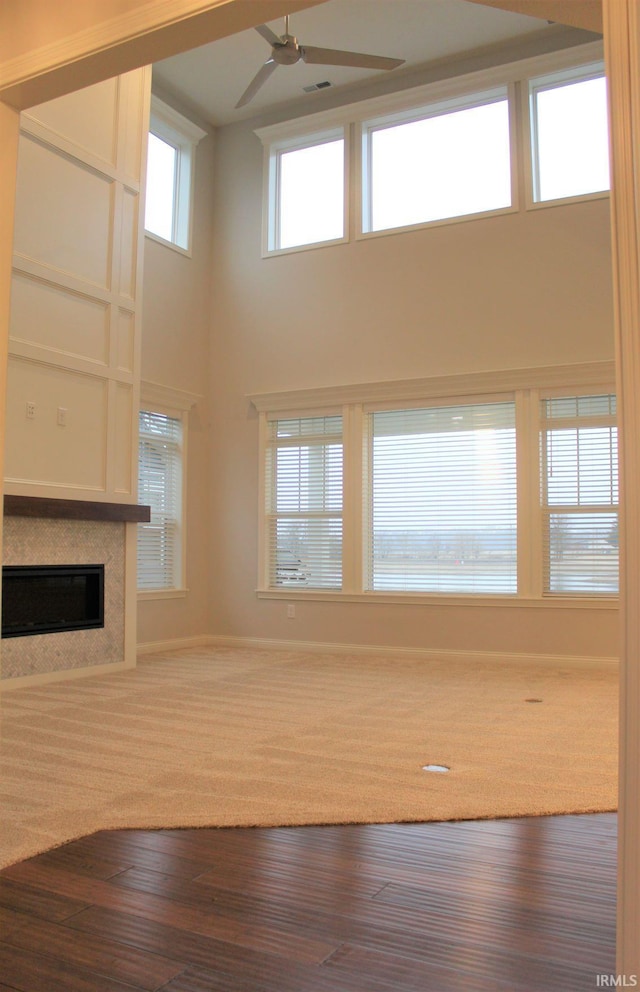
point(525, 905)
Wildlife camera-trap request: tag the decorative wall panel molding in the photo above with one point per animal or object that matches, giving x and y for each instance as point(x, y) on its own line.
point(74, 371)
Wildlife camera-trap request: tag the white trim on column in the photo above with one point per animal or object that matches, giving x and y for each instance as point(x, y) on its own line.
point(622, 34)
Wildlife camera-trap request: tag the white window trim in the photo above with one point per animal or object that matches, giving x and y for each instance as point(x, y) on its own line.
point(528, 386)
point(415, 102)
point(461, 101)
point(184, 135)
point(582, 70)
point(177, 403)
point(543, 424)
point(271, 198)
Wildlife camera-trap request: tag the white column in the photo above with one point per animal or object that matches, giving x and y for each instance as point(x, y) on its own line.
point(9, 132)
point(622, 39)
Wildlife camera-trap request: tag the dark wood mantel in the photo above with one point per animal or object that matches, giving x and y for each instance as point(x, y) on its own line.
point(75, 509)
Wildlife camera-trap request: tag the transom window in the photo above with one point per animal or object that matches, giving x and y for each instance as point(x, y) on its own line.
point(451, 150)
point(307, 191)
point(570, 145)
point(451, 162)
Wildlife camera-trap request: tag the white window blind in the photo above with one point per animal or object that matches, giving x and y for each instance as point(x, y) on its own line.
point(160, 487)
point(304, 502)
point(440, 499)
point(579, 472)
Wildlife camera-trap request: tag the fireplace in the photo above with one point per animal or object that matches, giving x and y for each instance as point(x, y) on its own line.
point(46, 599)
point(39, 531)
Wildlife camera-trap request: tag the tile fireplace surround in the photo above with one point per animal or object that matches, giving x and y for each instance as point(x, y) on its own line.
point(41, 531)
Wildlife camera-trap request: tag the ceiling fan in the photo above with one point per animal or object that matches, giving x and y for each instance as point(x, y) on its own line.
point(286, 51)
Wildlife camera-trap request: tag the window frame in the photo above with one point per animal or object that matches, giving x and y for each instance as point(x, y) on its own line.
point(439, 108)
point(574, 72)
point(527, 386)
point(272, 187)
point(174, 403)
point(416, 102)
point(440, 406)
point(268, 476)
point(183, 135)
point(546, 508)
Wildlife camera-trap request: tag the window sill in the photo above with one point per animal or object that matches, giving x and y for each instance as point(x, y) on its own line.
point(564, 201)
point(439, 222)
point(168, 244)
point(311, 246)
point(146, 594)
point(443, 599)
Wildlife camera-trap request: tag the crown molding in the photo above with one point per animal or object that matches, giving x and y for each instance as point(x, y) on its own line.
point(168, 396)
point(470, 384)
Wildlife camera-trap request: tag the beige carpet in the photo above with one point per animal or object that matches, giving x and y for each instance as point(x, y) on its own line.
point(219, 737)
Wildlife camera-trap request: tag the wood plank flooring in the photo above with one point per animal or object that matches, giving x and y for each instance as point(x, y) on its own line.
point(524, 905)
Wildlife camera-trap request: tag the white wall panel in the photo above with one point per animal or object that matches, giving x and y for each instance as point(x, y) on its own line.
point(88, 118)
point(57, 318)
point(128, 243)
point(63, 213)
point(75, 322)
point(122, 457)
point(132, 141)
point(125, 331)
point(45, 451)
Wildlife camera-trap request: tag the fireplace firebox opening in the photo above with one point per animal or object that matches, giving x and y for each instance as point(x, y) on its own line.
point(46, 599)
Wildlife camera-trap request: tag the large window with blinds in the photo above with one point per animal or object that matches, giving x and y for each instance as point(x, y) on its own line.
point(579, 486)
point(440, 499)
point(160, 476)
point(511, 492)
point(304, 502)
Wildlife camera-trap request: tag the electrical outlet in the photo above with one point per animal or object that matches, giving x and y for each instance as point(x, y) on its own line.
point(62, 416)
point(291, 611)
point(31, 410)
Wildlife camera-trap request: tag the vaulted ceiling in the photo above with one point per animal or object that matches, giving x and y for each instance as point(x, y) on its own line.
point(210, 79)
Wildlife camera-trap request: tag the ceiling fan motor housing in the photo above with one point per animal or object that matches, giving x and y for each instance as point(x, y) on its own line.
point(288, 53)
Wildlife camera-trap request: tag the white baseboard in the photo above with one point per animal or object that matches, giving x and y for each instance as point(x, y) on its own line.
point(175, 644)
point(425, 654)
point(44, 678)
point(311, 647)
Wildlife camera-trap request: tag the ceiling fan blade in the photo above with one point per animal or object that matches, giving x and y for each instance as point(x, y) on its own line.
point(331, 56)
point(268, 35)
point(257, 82)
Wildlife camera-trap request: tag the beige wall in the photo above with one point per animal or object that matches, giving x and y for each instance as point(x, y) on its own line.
point(519, 290)
point(175, 353)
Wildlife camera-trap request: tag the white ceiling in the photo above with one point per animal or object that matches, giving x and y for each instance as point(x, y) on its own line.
point(209, 80)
